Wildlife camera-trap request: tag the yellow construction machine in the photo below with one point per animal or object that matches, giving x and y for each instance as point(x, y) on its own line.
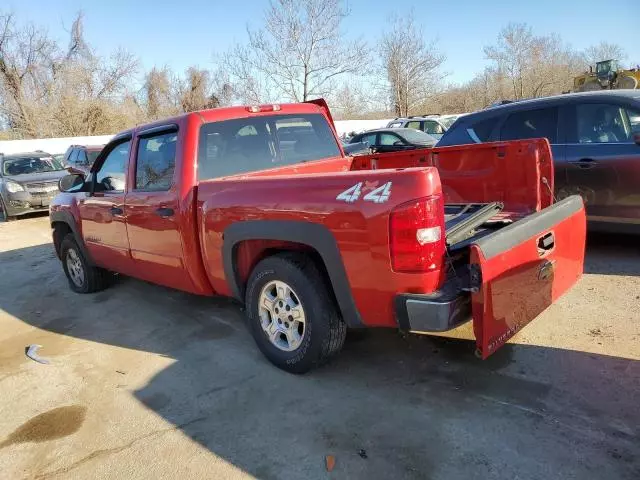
point(608, 75)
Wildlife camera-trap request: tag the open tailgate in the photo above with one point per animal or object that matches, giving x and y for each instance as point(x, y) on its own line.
point(522, 269)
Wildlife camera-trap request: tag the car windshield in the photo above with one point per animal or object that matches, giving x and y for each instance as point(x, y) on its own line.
point(27, 165)
point(417, 137)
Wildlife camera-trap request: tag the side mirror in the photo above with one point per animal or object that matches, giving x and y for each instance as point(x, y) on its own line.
point(398, 143)
point(636, 138)
point(73, 182)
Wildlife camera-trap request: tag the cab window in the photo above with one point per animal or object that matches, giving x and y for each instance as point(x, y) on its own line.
point(250, 144)
point(111, 176)
point(156, 161)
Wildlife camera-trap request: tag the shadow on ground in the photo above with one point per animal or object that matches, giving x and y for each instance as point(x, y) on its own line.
point(390, 406)
point(610, 254)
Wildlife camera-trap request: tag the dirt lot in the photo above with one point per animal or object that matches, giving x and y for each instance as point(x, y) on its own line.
point(145, 382)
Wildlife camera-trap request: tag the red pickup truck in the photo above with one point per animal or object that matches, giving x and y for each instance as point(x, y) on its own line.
point(261, 204)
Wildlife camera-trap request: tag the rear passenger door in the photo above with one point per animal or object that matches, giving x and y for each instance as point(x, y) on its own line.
point(604, 161)
point(540, 123)
point(151, 207)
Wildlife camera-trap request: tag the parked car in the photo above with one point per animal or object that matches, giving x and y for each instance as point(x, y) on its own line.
point(28, 182)
point(80, 158)
point(595, 138)
point(394, 139)
point(434, 125)
point(259, 203)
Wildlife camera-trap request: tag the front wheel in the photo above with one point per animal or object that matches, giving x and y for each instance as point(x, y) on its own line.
point(83, 278)
point(292, 316)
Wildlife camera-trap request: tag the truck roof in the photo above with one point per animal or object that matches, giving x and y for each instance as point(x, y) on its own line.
point(230, 113)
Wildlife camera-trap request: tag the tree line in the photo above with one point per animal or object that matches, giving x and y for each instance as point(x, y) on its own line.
point(300, 51)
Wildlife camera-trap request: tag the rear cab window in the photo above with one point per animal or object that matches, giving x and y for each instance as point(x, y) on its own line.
point(250, 144)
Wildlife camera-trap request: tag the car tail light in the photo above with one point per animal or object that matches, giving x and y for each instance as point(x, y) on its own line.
point(417, 235)
point(263, 108)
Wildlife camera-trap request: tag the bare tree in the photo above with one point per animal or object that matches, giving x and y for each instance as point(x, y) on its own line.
point(157, 94)
point(46, 90)
point(411, 65)
point(534, 65)
point(349, 101)
point(298, 54)
point(195, 91)
point(603, 51)
point(26, 56)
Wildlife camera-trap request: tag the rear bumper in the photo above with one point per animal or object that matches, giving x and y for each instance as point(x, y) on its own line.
point(436, 312)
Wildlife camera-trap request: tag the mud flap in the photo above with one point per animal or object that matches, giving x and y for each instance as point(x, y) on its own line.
point(524, 268)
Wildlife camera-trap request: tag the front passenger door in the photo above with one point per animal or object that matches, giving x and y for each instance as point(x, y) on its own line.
point(153, 211)
point(102, 210)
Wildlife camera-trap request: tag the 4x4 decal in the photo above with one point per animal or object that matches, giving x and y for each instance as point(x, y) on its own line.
point(377, 194)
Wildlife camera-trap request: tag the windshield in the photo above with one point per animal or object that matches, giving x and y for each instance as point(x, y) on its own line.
point(27, 165)
point(416, 136)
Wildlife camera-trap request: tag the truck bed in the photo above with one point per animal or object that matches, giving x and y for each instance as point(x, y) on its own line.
point(465, 221)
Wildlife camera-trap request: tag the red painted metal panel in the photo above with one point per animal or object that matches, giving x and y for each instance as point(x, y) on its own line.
point(520, 283)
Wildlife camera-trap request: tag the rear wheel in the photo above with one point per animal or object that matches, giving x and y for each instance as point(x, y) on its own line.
point(83, 278)
point(292, 316)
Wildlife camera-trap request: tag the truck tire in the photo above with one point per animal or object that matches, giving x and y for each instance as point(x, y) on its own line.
point(292, 315)
point(83, 278)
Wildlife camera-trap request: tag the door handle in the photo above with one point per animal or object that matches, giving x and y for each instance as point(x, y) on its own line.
point(165, 212)
point(585, 163)
point(116, 211)
point(546, 243)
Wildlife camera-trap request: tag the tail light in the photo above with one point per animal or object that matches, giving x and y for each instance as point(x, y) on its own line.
point(416, 232)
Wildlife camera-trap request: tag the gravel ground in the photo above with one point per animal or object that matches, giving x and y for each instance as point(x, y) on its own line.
point(145, 382)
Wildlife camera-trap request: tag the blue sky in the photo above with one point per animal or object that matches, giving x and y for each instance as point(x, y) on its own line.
point(187, 32)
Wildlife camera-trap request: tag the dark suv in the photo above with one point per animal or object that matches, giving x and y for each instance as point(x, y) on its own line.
point(595, 138)
point(80, 158)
